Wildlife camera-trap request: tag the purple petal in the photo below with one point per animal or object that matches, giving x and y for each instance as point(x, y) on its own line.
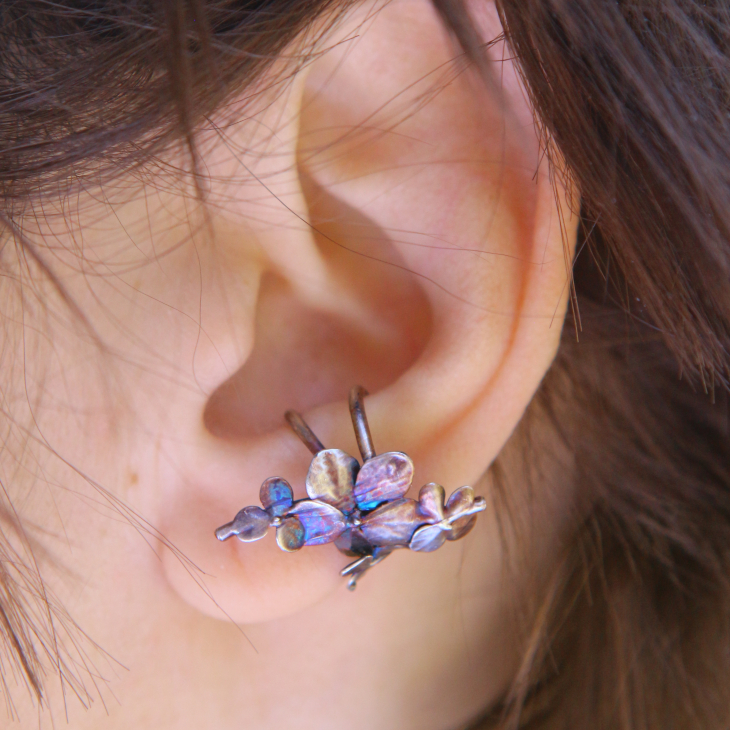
point(290, 534)
point(322, 522)
point(431, 502)
point(393, 523)
point(353, 542)
point(249, 525)
point(460, 501)
point(331, 479)
point(276, 496)
point(461, 527)
point(427, 539)
point(383, 479)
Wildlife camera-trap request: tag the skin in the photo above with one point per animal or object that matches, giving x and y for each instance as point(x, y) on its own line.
point(328, 254)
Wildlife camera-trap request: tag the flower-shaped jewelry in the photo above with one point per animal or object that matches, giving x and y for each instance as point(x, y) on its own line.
point(363, 510)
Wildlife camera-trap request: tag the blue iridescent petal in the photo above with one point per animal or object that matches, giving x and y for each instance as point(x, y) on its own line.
point(322, 523)
point(290, 534)
point(383, 479)
point(331, 479)
point(276, 496)
point(393, 523)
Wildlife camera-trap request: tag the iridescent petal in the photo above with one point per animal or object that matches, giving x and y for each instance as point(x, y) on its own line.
point(322, 522)
point(248, 525)
point(383, 479)
point(331, 479)
point(431, 502)
point(462, 500)
point(393, 523)
point(290, 534)
point(353, 542)
point(460, 527)
point(276, 496)
point(427, 539)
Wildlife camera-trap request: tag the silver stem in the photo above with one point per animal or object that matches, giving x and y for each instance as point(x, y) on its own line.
point(360, 423)
point(302, 430)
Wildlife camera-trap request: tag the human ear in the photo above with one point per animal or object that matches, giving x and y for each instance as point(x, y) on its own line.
point(419, 248)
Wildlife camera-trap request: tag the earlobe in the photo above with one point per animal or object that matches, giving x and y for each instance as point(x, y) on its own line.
point(442, 242)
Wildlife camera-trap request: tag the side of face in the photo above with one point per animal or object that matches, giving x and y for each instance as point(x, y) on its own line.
point(384, 218)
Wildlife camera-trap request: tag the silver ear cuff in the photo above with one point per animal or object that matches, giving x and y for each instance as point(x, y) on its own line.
point(361, 509)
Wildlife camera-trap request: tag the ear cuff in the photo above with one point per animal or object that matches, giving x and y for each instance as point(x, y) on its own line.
point(361, 509)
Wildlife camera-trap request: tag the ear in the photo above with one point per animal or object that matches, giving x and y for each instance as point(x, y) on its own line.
point(409, 238)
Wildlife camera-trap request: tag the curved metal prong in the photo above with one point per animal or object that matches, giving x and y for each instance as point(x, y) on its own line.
point(355, 569)
point(360, 422)
point(302, 430)
point(359, 567)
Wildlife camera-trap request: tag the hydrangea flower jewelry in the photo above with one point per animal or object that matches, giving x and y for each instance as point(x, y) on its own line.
point(362, 510)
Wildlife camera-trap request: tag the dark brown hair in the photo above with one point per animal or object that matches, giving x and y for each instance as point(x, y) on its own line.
point(633, 100)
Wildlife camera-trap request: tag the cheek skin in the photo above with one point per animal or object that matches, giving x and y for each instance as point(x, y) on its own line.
point(251, 583)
